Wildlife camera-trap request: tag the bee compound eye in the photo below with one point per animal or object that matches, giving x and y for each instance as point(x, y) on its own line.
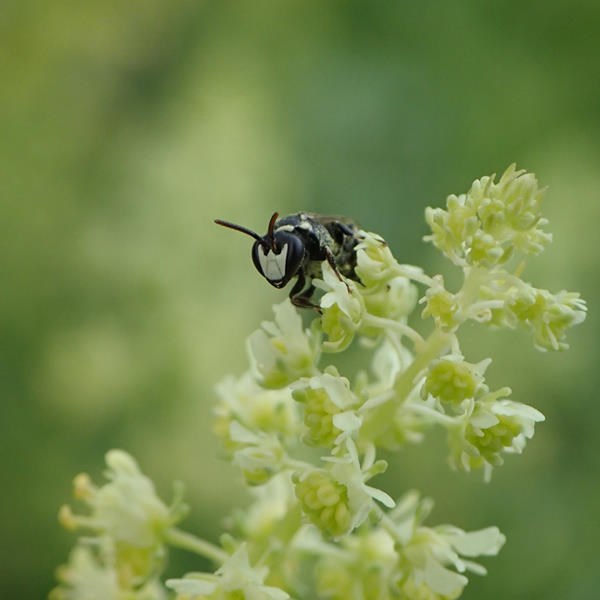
point(295, 254)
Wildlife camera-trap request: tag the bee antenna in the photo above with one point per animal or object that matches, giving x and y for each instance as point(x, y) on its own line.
point(240, 228)
point(271, 228)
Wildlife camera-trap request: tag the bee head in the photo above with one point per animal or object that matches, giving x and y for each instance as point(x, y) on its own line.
point(277, 255)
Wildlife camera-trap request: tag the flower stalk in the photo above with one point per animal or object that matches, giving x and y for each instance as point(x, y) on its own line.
point(305, 436)
point(187, 541)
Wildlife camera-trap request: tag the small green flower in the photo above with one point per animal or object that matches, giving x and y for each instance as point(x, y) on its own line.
point(491, 441)
point(491, 221)
point(450, 379)
point(272, 503)
point(326, 399)
point(488, 429)
point(430, 560)
point(393, 300)
point(388, 362)
point(236, 579)
point(85, 577)
point(127, 511)
point(319, 411)
point(324, 501)
point(127, 508)
point(549, 315)
point(282, 351)
point(337, 499)
point(91, 574)
point(258, 455)
point(256, 408)
point(348, 471)
point(352, 547)
point(342, 310)
point(363, 567)
point(486, 249)
point(386, 293)
point(335, 580)
point(375, 263)
point(451, 228)
point(441, 305)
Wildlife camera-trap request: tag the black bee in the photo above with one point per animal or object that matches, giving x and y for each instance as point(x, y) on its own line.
point(296, 245)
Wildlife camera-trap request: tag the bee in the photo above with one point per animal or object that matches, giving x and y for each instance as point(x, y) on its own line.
point(296, 245)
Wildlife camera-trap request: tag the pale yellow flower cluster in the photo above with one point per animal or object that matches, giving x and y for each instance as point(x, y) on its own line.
point(305, 436)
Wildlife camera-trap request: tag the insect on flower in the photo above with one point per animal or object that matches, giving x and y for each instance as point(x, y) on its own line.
point(296, 245)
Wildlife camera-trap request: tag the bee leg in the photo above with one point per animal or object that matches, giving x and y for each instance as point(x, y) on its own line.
point(346, 229)
point(302, 302)
point(300, 297)
point(331, 261)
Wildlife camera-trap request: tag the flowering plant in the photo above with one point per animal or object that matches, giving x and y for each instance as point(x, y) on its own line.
point(305, 437)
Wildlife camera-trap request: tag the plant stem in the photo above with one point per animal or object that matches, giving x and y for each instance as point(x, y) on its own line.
point(187, 541)
point(381, 418)
point(397, 326)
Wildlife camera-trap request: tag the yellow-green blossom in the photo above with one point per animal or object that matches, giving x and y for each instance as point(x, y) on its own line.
point(430, 560)
point(489, 428)
point(342, 308)
point(327, 401)
point(324, 501)
point(491, 221)
point(441, 305)
point(318, 516)
point(258, 455)
point(92, 575)
point(85, 577)
point(336, 499)
point(385, 291)
point(548, 315)
point(272, 503)
point(375, 263)
point(364, 566)
point(257, 408)
point(127, 511)
point(236, 579)
point(395, 299)
point(400, 557)
point(451, 379)
point(282, 351)
point(353, 475)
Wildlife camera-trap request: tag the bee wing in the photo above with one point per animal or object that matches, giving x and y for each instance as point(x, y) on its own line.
point(334, 220)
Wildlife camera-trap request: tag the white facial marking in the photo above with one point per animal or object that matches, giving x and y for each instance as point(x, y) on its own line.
point(272, 265)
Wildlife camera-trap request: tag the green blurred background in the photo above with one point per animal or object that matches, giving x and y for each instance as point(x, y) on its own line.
point(126, 127)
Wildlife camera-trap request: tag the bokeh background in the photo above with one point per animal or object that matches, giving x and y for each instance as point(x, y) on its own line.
point(127, 127)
